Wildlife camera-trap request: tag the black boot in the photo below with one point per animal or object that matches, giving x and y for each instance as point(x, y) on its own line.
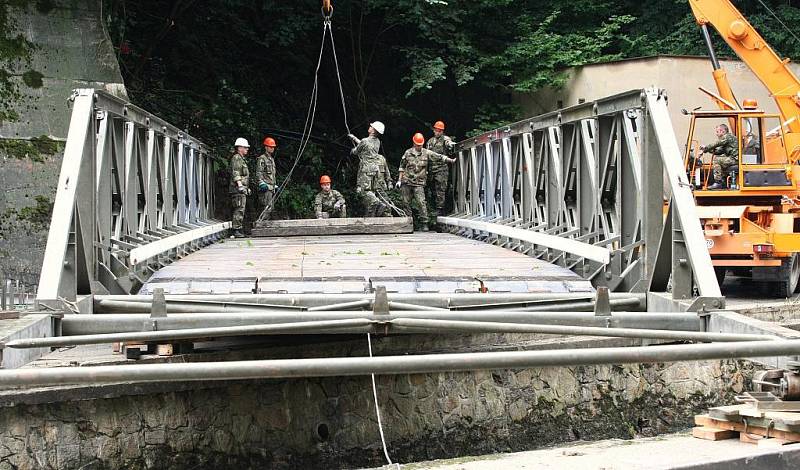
point(238, 234)
point(717, 185)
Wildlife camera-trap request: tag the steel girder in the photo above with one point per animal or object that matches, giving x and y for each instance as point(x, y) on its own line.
point(134, 193)
point(593, 174)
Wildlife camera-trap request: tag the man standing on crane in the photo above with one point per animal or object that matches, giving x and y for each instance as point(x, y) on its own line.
point(414, 174)
point(368, 152)
point(440, 172)
point(238, 189)
point(265, 174)
point(726, 155)
point(329, 203)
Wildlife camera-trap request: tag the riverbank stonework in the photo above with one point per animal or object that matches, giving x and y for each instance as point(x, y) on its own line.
point(330, 422)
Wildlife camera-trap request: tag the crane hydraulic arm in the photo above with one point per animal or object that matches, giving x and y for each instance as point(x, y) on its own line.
point(754, 51)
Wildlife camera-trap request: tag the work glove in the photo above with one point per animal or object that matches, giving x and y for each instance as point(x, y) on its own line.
point(358, 189)
point(354, 138)
point(247, 191)
point(398, 184)
point(337, 205)
point(451, 160)
point(241, 189)
point(702, 149)
point(263, 187)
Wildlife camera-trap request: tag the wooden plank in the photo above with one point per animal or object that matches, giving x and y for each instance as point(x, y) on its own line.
point(712, 434)
point(749, 438)
point(786, 417)
point(348, 226)
point(705, 420)
point(727, 413)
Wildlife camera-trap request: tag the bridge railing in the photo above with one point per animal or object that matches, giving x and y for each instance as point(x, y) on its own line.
point(134, 193)
point(584, 187)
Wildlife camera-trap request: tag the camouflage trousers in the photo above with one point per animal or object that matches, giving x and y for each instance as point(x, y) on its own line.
point(238, 203)
point(438, 180)
point(265, 200)
point(722, 165)
point(417, 193)
point(340, 213)
point(374, 206)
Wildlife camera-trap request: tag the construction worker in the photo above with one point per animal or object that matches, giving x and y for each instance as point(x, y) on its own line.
point(413, 176)
point(238, 189)
point(265, 174)
point(440, 171)
point(369, 167)
point(329, 203)
point(726, 155)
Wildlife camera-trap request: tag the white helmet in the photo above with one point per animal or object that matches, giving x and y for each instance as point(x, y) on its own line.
point(241, 142)
point(378, 126)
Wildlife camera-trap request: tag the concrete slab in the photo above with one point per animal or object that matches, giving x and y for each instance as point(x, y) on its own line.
point(663, 452)
point(27, 326)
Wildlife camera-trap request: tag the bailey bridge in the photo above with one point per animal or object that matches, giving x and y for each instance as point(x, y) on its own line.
point(559, 227)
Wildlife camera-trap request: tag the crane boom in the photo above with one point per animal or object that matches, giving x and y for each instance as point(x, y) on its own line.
point(754, 51)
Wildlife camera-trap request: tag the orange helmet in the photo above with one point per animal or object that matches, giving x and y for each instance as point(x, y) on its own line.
point(269, 142)
point(324, 179)
point(439, 125)
point(418, 138)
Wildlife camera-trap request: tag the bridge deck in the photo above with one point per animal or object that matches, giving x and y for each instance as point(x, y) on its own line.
point(419, 262)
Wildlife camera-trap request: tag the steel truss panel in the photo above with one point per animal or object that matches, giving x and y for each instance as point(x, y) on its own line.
point(134, 193)
point(583, 187)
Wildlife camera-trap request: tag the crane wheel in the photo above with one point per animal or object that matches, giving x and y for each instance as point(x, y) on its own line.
point(791, 283)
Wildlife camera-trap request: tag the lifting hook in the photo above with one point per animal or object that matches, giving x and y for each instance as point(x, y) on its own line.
point(327, 8)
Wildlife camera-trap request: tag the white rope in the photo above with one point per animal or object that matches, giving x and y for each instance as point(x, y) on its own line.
point(338, 77)
point(377, 409)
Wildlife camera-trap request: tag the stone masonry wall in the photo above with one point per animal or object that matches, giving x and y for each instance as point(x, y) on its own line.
point(330, 422)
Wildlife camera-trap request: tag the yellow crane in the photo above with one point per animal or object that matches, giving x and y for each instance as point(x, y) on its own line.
point(752, 223)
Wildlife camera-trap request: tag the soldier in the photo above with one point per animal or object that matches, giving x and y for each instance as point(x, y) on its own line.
point(329, 203)
point(265, 174)
point(238, 189)
point(370, 163)
point(440, 172)
point(414, 173)
point(726, 151)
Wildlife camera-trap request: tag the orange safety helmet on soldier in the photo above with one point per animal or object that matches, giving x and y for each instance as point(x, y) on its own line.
point(269, 142)
point(324, 179)
point(439, 125)
point(418, 138)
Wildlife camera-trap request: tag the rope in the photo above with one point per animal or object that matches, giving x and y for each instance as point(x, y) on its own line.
point(377, 409)
point(338, 76)
point(779, 20)
point(305, 136)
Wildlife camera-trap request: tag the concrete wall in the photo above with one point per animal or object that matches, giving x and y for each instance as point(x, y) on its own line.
point(72, 50)
point(680, 76)
point(330, 423)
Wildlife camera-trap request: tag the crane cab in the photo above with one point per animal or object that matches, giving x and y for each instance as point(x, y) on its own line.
point(763, 166)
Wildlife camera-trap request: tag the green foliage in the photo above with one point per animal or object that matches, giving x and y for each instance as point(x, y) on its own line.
point(36, 149)
point(33, 79)
point(237, 68)
point(15, 51)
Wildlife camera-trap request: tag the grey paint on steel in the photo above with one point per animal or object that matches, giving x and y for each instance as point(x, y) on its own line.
point(388, 365)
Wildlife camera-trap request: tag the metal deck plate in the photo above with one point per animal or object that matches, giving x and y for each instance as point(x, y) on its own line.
point(407, 263)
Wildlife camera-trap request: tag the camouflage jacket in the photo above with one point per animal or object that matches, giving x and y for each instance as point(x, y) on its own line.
point(265, 169)
point(373, 173)
point(368, 147)
point(443, 145)
point(727, 145)
point(324, 201)
point(239, 172)
point(414, 165)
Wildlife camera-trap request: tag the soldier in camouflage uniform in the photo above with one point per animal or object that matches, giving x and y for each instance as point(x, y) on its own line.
point(265, 175)
point(329, 203)
point(726, 155)
point(414, 174)
point(238, 189)
point(369, 168)
point(440, 171)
